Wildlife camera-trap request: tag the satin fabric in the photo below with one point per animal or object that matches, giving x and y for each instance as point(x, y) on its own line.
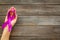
point(9, 18)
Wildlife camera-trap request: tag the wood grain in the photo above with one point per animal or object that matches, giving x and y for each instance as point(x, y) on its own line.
point(46, 31)
point(35, 20)
point(32, 38)
point(32, 10)
point(30, 2)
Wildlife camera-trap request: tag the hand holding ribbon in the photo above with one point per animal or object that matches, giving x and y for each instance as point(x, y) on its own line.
point(10, 19)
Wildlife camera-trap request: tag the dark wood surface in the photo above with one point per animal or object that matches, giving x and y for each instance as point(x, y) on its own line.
point(37, 19)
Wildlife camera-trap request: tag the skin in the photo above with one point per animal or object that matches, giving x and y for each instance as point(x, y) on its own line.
point(6, 33)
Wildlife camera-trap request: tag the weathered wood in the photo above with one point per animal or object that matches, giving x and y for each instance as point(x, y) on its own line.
point(32, 10)
point(33, 31)
point(35, 20)
point(32, 38)
point(38, 31)
point(46, 31)
point(30, 2)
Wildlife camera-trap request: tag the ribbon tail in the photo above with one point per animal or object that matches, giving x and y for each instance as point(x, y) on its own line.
point(9, 27)
point(4, 25)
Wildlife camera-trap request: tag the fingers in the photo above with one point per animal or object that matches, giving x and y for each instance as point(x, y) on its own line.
point(5, 19)
point(14, 21)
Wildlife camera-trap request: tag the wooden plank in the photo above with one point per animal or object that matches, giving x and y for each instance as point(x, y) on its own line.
point(31, 38)
point(30, 2)
point(38, 31)
point(33, 10)
point(35, 20)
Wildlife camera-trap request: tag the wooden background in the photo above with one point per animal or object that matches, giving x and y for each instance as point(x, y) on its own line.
point(37, 19)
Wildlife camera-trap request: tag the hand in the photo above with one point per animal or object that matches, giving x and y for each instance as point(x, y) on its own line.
point(13, 21)
point(6, 34)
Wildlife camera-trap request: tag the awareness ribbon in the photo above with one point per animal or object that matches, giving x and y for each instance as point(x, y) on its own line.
point(11, 14)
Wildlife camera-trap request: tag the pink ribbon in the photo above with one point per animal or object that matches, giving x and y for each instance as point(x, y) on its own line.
point(9, 18)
